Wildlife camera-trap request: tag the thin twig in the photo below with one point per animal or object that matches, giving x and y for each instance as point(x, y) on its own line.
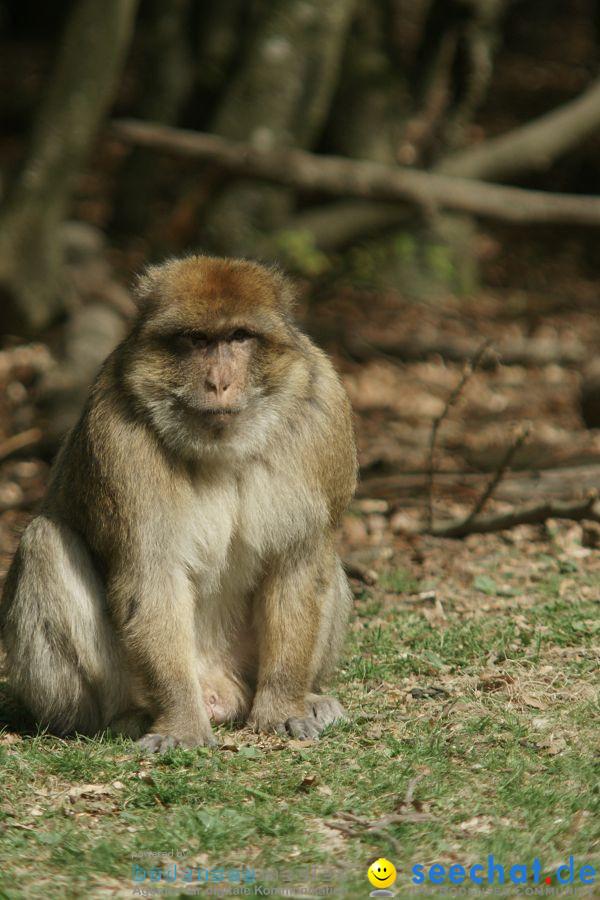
point(410, 789)
point(380, 832)
point(468, 370)
point(396, 846)
point(402, 818)
point(519, 440)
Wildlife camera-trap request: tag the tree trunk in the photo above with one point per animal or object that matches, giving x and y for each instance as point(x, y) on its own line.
point(372, 103)
point(167, 78)
point(279, 96)
point(377, 119)
point(33, 289)
point(453, 68)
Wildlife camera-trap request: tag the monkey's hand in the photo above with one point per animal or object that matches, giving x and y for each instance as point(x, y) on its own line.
point(303, 725)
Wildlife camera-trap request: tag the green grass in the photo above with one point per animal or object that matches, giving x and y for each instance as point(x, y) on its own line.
point(506, 755)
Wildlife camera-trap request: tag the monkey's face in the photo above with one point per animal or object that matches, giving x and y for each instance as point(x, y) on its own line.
point(210, 354)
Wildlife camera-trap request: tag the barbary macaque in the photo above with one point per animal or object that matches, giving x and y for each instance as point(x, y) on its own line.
point(183, 568)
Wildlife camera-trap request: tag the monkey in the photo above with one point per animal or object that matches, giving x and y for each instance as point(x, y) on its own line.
point(182, 570)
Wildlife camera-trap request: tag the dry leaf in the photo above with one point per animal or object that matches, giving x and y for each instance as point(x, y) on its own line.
point(88, 792)
point(482, 824)
point(494, 681)
point(540, 724)
point(534, 702)
point(552, 745)
point(146, 777)
point(308, 782)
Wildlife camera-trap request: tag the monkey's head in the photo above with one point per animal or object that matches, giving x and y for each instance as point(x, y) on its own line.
point(213, 353)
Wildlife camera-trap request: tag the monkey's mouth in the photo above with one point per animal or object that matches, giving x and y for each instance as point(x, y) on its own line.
point(217, 418)
point(208, 413)
point(220, 411)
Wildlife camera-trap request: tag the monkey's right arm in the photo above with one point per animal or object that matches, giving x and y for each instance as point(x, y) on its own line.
point(124, 515)
point(155, 617)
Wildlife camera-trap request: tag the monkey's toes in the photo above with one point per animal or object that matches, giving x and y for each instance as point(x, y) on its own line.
point(326, 710)
point(160, 743)
point(305, 729)
point(321, 712)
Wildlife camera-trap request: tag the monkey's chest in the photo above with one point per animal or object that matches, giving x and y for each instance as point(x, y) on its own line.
point(238, 524)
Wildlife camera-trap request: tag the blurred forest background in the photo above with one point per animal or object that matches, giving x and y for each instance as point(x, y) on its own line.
point(427, 170)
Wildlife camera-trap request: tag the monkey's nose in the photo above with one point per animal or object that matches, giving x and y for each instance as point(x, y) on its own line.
point(217, 385)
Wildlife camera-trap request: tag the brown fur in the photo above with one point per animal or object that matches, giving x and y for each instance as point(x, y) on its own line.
point(183, 566)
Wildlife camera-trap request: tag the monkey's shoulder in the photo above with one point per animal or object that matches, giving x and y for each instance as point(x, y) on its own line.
point(324, 438)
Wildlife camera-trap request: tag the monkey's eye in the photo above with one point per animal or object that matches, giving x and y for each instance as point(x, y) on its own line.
point(240, 334)
point(193, 340)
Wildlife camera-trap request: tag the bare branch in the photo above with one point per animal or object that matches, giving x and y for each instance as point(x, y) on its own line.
point(455, 394)
point(361, 178)
point(533, 146)
point(498, 475)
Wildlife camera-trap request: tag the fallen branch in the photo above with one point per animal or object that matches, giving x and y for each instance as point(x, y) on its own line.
point(362, 573)
point(550, 483)
point(344, 177)
point(518, 352)
point(356, 826)
point(526, 515)
point(409, 813)
point(435, 426)
point(533, 146)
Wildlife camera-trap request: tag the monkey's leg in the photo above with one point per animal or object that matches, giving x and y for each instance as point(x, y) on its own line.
point(336, 605)
point(294, 624)
point(160, 641)
point(64, 661)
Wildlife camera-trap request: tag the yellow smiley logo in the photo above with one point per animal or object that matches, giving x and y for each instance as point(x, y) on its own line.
point(382, 873)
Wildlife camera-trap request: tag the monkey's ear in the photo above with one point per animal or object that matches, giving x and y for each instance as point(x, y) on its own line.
point(286, 292)
point(145, 286)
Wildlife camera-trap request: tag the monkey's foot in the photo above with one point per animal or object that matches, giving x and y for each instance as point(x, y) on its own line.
point(321, 711)
point(160, 743)
point(325, 709)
